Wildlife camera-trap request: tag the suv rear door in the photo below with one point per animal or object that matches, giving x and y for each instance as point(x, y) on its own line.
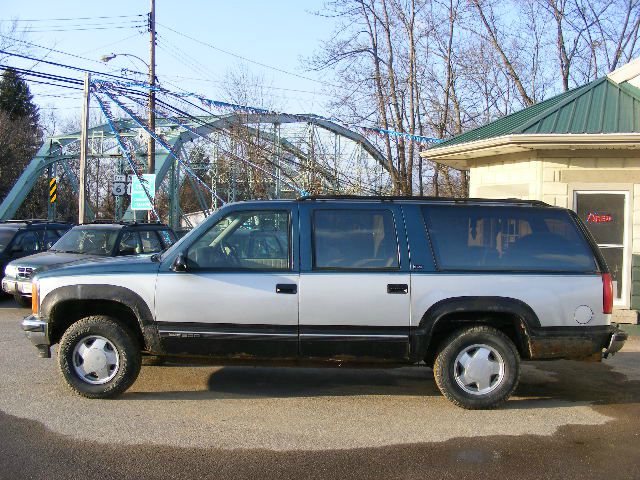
point(354, 281)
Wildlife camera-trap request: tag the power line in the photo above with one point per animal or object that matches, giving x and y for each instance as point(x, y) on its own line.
point(83, 29)
point(236, 55)
point(50, 49)
point(137, 34)
point(70, 18)
point(63, 65)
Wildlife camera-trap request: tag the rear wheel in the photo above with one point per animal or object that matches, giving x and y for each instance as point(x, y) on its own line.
point(22, 301)
point(98, 357)
point(477, 368)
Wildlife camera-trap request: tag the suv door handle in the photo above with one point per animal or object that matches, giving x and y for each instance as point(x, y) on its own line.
point(290, 288)
point(401, 288)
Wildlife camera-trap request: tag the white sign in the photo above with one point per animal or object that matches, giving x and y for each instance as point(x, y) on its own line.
point(118, 188)
point(120, 178)
point(139, 198)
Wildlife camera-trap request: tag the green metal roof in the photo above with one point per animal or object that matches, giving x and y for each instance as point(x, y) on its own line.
point(601, 106)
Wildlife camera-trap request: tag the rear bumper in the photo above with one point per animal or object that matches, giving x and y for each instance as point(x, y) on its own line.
point(575, 343)
point(14, 286)
point(35, 329)
point(615, 343)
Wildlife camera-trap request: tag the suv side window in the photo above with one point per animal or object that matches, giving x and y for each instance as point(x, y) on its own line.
point(150, 242)
point(129, 244)
point(245, 240)
point(354, 240)
point(506, 238)
point(50, 237)
point(28, 242)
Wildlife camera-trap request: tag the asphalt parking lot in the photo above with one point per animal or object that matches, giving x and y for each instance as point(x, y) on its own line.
point(567, 420)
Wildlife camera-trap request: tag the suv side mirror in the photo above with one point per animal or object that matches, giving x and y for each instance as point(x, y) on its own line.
point(180, 263)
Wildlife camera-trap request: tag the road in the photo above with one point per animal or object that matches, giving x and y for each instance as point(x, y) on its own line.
point(567, 420)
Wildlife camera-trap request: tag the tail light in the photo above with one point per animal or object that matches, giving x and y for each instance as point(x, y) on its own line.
point(607, 293)
point(35, 301)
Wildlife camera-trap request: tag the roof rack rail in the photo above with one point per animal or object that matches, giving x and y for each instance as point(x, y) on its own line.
point(31, 221)
point(105, 221)
point(391, 198)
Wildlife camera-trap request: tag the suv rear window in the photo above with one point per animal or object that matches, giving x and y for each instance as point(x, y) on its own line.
point(507, 238)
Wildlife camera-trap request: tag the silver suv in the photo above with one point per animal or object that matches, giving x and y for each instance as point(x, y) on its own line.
point(467, 287)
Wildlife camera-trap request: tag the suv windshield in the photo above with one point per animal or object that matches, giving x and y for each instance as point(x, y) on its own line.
point(5, 237)
point(90, 241)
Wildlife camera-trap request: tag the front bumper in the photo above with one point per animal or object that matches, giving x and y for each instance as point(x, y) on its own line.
point(35, 330)
point(15, 286)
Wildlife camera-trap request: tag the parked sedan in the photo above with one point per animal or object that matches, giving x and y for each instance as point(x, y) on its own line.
point(86, 242)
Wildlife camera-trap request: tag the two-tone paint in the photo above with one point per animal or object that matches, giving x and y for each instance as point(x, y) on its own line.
point(338, 316)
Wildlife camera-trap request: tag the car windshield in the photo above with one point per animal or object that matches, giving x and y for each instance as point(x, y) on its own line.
point(5, 237)
point(90, 241)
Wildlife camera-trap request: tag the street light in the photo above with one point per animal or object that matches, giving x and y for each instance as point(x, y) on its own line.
point(151, 146)
point(111, 56)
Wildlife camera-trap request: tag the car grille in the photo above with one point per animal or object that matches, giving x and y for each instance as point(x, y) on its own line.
point(24, 272)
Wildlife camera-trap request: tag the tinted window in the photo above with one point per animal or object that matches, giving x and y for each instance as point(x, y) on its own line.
point(129, 244)
point(507, 238)
point(5, 237)
point(90, 241)
point(50, 237)
point(150, 242)
point(354, 239)
point(244, 240)
point(27, 242)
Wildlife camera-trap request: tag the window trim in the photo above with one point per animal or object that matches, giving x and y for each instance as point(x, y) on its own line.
point(290, 267)
point(528, 271)
point(315, 268)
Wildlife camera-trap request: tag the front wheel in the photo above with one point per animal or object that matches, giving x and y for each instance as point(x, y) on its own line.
point(477, 368)
point(98, 357)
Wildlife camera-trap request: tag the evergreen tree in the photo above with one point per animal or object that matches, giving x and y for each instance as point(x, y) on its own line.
point(16, 99)
point(20, 138)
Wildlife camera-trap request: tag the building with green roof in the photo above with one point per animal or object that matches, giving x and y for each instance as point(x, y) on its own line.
point(580, 150)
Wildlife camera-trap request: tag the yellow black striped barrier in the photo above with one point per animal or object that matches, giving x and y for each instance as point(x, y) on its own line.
point(53, 190)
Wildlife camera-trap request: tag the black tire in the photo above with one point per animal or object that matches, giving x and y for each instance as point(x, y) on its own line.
point(128, 354)
point(445, 368)
point(24, 302)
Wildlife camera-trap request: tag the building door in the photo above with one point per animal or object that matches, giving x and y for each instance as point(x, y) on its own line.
point(606, 215)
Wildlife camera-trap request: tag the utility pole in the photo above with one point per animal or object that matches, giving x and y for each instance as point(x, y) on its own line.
point(84, 146)
point(151, 146)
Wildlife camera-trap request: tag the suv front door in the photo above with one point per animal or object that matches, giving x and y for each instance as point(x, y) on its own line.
point(239, 293)
point(354, 282)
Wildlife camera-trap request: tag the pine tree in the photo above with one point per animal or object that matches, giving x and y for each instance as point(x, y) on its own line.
point(16, 99)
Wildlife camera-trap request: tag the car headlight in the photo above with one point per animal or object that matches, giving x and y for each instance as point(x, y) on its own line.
point(11, 271)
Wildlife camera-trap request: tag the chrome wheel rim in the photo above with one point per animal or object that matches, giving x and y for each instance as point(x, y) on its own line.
point(479, 369)
point(95, 360)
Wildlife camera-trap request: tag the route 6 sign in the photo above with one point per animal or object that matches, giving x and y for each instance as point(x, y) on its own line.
point(118, 188)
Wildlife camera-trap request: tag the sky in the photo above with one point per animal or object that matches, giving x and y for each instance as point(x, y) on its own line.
point(277, 33)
